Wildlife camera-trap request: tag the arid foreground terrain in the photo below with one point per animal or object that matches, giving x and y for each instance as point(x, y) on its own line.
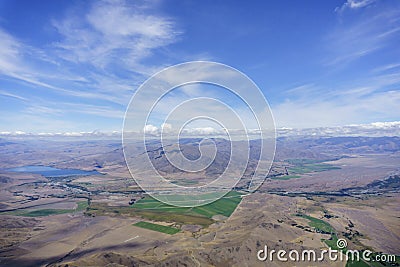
point(319, 190)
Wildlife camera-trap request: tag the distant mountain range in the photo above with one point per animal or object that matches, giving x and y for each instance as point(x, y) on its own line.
point(375, 129)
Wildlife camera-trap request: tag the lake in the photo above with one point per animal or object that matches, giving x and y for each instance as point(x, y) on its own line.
point(52, 172)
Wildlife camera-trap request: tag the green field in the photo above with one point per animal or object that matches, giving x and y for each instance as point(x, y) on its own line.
point(82, 205)
point(224, 206)
point(42, 213)
point(302, 166)
point(314, 167)
point(318, 224)
point(285, 177)
point(152, 209)
point(156, 227)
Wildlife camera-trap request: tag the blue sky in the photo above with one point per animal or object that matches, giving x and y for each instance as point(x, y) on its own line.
point(71, 66)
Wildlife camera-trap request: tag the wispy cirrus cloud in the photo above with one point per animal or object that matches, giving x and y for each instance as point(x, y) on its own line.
point(25, 64)
point(322, 113)
point(362, 34)
point(114, 32)
point(314, 105)
point(111, 36)
point(387, 68)
point(354, 4)
point(9, 53)
point(94, 64)
point(11, 95)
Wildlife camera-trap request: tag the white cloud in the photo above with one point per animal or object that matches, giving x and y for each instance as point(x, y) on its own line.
point(169, 131)
point(7, 94)
point(385, 125)
point(80, 73)
point(151, 129)
point(372, 129)
point(201, 131)
point(354, 4)
point(360, 36)
point(9, 53)
point(18, 60)
point(341, 109)
point(389, 128)
point(388, 67)
point(114, 32)
point(361, 100)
